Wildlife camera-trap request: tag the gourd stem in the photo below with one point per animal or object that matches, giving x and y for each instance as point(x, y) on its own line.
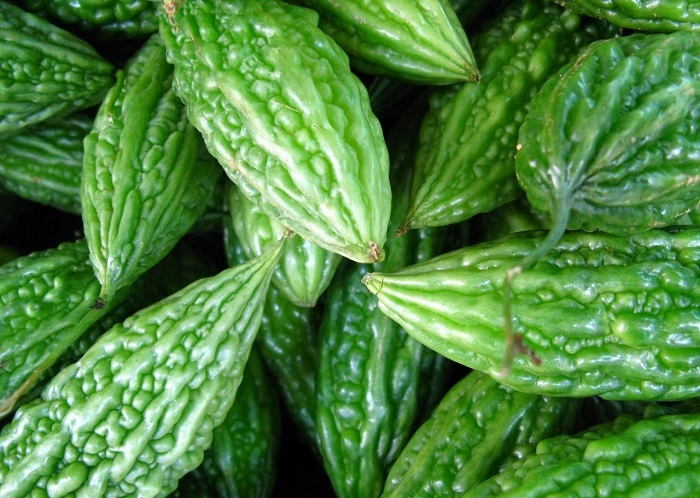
point(561, 209)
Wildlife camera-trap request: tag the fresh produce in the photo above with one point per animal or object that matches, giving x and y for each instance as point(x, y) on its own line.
point(600, 314)
point(464, 165)
point(478, 424)
point(146, 173)
point(664, 15)
point(45, 164)
point(305, 270)
point(420, 41)
point(233, 166)
point(138, 410)
point(277, 105)
point(45, 72)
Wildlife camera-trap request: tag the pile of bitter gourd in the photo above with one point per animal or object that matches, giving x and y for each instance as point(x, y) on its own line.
point(447, 248)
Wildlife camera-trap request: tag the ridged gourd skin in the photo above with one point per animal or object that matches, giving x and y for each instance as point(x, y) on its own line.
point(419, 41)
point(103, 18)
point(371, 377)
point(44, 164)
point(45, 297)
point(138, 410)
point(600, 314)
point(291, 125)
point(611, 142)
point(477, 425)
point(146, 173)
point(662, 16)
point(305, 270)
point(45, 72)
point(468, 139)
point(242, 459)
point(647, 457)
point(288, 342)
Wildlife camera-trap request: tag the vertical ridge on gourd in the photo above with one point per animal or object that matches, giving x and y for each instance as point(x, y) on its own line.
point(46, 71)
point(305, 270)
point(46, 296)
point(45, 163)
point(371, 375)
point(138, 410)
point(611, 143)
point(278, 106)
point(651, 456)
point(464, 165)
point(474, 429)
point(661, 16)
point(146, 173)
point(419, 41)
point(600, 314)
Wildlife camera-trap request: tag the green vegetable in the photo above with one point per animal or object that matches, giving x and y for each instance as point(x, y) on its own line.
point(419, 41)
point(279, 108)
point(46, 71)
point(107, 18)
point(371, 374)
point(465, 164)
point(48, 298)
point(663, 15)
point(138, 410)
point(612, 315)
point(471, 432)
point(45, 163)
point(146, 172)
point(242, 460)
point(629, 457)
point(610, 142)
point(288, 343)
point(304, 271)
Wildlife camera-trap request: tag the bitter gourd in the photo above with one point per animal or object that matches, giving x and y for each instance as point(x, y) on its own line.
point(305, 270)
point(44, 164)
point(279, 108)
point(629, 457)
point(612, 315)
point(116, 19)
point(468, 139)
point(420, 41)
point(45, 72)
point(661, 16)
point(138, 410)
point(146, 172)
point(242, 459)
point(470, 433)
point(48, 299)
point(370, 377)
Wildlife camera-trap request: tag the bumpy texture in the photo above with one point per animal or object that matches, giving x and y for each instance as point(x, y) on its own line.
point(473, 430)
point(138, 410)
point(305, 270)
point(45, 71)
point(371, 378)
point(611, 141)
point(628, 457)
point(420, 41)
point(45, 163)
point(644, 15)
point(599, 314)
point(45, 298)
point(106, 18)
point(242, 459)
point(468, 139)
point(146, 173)
point(279, 108)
